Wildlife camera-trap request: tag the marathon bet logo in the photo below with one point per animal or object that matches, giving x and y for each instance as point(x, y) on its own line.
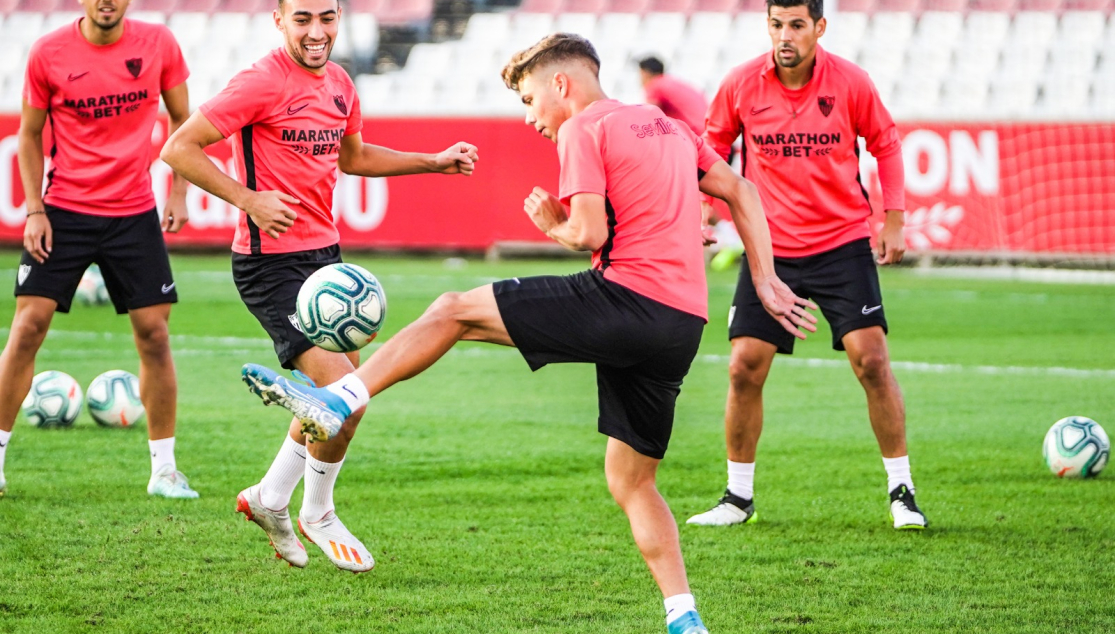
point(106, 106)
point(313, 142)
point(796, 144)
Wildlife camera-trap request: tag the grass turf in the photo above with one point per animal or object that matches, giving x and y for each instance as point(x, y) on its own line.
point(479, 486)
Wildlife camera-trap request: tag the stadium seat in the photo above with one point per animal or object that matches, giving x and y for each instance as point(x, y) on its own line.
point(247, 6)
point(38, 6)
point(400, 12)
point(528, 28)
point(1050, 7)
point(22, 28)
point(987, 26)
point(1064, 95)
point(198, 6)
point(59, 19)
point(916, 97)
point(542, 6)
point(629, 6)
point(845, 34)
point(859, 6)
point(154, 17)
point(162, 6)
point(595, 7)
point(583, 24)
point(1005, 7)
point(375, 91)
point(1082, 28)
point(487, 27)
point(662, 30)
point(1012, 96)
point(963, 97)
point(8, 6)
point(362, 33)
point(617, 30)
point(684, 7)
point(912, 7)
point(189, 28)
point(716, 6)
point(706, 31)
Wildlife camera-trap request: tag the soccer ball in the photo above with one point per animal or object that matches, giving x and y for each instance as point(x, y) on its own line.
point(91, 290)
point(1076, 447)
point(113, 399)
point(341, 307)
point(54, 400)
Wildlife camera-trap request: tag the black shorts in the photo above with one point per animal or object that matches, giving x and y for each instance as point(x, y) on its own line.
point(843, 282)
point(269, 286)
point(642, 348)
point(129, 249)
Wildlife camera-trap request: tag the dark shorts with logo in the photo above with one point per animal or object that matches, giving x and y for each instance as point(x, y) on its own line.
point(269, 285)
point(642, 349)
point(130, 251)
point(843, 282)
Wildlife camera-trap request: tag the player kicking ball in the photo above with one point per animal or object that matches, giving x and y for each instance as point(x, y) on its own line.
point(294, 120)
point(628, 193)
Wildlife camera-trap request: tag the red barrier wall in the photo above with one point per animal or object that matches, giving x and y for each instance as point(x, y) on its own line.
point(999, 187)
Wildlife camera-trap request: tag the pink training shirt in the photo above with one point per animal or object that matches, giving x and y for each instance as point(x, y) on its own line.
point(286, 126)
point(103, 101)
point(646, 165)
point(800, 148)
point(678, 100)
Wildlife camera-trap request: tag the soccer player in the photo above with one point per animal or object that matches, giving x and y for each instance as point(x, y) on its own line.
point(294, 119)
point(800, 111)
point(99, 80)
point(628, 193)
point(673, 96)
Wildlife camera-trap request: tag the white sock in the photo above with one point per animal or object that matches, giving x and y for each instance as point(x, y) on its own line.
point(278, 484)
point(162, 454)
point(5, 438)
point(898, 472)
point(351, 389)
point(318, 494)
point(677, 605)
point(741, 479)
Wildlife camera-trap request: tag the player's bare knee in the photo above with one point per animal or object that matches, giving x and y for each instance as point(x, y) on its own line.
point(872, 368)
point(28, 331)
point(747, 370)
point(152, 339)
point(624, 483)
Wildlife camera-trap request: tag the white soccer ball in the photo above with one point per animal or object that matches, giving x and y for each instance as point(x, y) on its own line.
point(91, 290)
point(113, 399)
point(1076, 447)
point(341, 307)
point(54, 400)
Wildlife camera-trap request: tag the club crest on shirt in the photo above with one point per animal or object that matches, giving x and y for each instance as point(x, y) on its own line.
point(826, 104)
point(339, 101)
point(24, 271)
point(134, 66)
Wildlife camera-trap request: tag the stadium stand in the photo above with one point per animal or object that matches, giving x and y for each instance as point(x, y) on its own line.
point(939, 59)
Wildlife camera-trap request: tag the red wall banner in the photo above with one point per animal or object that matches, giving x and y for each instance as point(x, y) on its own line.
point(1026, 187)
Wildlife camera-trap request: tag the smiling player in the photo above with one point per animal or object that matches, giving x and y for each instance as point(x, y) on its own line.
point(294, 119)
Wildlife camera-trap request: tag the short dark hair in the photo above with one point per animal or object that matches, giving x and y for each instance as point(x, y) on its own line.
point(816, 7)
point(558, 47)
point(652, 65)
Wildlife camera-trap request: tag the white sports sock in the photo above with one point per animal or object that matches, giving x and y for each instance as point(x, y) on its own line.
point(162, 454)
point(898, 472)
point(5, 438)
point(318, 494)
point(741, 479)
point(278, 484)
point(677, 605)
point(351, 389)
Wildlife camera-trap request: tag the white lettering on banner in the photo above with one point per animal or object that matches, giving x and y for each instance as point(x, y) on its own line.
point(209, 211)
point(972, 164)
point(936, 173)
point(360, 202)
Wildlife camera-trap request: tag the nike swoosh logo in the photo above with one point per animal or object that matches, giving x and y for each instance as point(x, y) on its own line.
point(3, 444)
point(168, 287)
point(321, 472)
point(293, 110)
point(867, 311)
point(345, 388)
point(755, 110)
point(302, 456)
point(153, 454)
point(73, 77)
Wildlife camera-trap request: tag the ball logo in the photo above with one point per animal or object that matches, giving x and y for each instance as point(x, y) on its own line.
point(135, 65)
point(339, 101)
point(826, 104)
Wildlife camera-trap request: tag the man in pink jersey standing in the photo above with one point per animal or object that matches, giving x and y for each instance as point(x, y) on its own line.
point(628, 193)
point(800, 111)
point(99, 80)
point(294, 119)
point(673, 96)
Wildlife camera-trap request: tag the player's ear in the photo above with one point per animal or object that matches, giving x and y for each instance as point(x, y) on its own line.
point(822, 24)
point(561, 84)
point(278, 19)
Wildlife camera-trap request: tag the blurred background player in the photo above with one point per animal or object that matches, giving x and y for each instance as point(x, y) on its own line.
point(99, 80)
point(801, 111)
point(294, 118)
point(637, 314)
point(673, 96)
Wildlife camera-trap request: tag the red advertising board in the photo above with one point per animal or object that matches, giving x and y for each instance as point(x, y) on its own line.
point(1026, 187)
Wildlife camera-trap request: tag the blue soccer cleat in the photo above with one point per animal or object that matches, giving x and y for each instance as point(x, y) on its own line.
point(320, 411)
point(688, 623)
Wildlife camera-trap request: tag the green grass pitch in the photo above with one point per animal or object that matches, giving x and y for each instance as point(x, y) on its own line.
point(479, 487)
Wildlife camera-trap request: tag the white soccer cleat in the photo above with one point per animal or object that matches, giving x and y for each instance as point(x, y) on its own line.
point(169, 483)
point(904, 510)
point(731, 509)
point(339, 545)
point(276, 524)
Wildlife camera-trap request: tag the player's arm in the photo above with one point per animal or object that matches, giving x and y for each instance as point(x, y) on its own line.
point(876, 126)
point(751, 223)
point(364, 159)
point(185, 153)
point(38, 238)
point(177, 102)
point(583, 228)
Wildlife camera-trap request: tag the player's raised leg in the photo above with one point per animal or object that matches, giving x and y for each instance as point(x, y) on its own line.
point(631, 480)
point(158, 389)
point(743, 423)
point(17, 364)
point(870, 359)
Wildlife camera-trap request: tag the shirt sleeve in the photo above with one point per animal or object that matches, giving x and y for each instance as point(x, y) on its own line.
point(243, 101)
point(36, 84)
point(581, 155)
point(175, 70)
point(355, 121)
point(874, 123)
point(706, 156)
point(722, 125)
